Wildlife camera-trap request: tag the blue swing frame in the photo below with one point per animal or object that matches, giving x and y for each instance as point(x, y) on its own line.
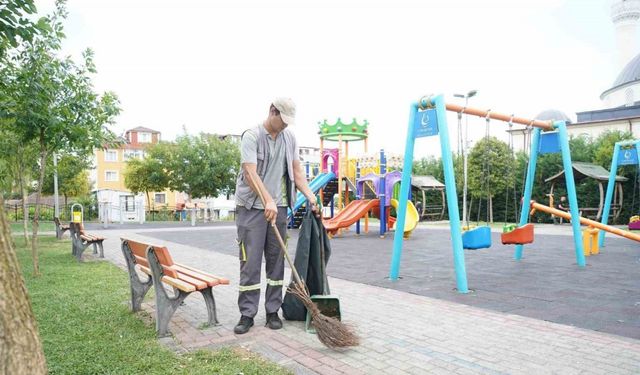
point(427, 117)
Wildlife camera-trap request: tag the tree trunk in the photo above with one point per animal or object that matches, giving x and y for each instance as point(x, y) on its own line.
point(25, 210)
point(20, 347)
point(36, 212)
point(490, 209)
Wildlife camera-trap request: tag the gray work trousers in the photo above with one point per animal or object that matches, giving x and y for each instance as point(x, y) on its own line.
point(255, 237)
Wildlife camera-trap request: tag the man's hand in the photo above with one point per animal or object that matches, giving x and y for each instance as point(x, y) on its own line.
point(271, 212)
point(313, 205)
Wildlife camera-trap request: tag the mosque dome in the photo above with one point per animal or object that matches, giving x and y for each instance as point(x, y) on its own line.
point(553, 115)
point(628, 75)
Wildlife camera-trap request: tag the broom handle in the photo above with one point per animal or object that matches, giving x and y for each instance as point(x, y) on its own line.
point(283, 246)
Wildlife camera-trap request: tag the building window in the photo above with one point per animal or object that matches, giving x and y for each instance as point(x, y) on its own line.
point(129, 203)
point(144, 137)
point(628, 96)
point(111, 155)
point(111, 176)
point(161, 198)
point(137, 154)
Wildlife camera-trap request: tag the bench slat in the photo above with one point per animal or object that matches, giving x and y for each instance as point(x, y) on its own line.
point(210, 281)
point(91, 238)
point(198, 284)
point(221, 280)
point(179, 284)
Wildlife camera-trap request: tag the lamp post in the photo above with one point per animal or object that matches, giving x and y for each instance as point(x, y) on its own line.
point(464, 147)
point(56, 204)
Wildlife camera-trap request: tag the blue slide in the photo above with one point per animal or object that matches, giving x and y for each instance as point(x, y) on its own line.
point(318, 183)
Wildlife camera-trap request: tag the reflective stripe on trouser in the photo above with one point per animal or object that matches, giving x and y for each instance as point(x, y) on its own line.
point(255, 238)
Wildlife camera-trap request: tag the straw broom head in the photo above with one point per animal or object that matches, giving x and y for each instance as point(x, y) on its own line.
point(331, 332)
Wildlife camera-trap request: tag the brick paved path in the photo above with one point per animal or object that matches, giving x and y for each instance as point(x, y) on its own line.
point(402, 333)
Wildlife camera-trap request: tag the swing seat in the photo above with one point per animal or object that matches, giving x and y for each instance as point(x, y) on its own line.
point(519, 236)
point(477, 238)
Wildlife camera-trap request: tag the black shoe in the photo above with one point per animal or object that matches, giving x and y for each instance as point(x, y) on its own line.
point(243, 325)
point(273, 321)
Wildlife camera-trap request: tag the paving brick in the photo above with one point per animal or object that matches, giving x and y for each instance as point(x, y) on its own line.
point(448, 338)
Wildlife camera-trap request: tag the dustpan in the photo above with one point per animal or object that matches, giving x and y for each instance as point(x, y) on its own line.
point(328, 304)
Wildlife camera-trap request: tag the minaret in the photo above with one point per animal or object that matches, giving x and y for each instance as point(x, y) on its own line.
point(625, 15)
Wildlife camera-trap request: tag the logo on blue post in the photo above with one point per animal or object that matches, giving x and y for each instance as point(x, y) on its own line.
point(628, 156)
point(426, 123)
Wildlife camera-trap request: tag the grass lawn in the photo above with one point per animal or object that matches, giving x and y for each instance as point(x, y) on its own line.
point(45, 226)
point(87, 328)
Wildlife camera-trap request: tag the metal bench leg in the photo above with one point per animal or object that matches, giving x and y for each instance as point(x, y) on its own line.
point(165, 306)
point(210, 301)
point(101, 249)
point(80, 248)
point(95, 248)
point(139, 288)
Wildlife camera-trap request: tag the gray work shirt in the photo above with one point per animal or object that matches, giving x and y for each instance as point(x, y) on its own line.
point(274, 165)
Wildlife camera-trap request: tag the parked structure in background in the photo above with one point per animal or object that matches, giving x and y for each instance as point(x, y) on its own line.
point(114, 199)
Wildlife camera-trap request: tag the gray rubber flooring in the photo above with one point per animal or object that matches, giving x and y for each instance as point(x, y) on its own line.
point(546, 284)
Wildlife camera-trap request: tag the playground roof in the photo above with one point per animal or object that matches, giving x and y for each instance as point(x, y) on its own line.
point(426, 182)
point(583, 170)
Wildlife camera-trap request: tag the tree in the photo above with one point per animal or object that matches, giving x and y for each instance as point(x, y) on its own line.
point(430, 166)
point(203, 166)
point(15, 27)
point(52, 100)
point(20, 348)
point(145, 175)
point(490, 170)
point(16, 170)
point(73, 176)
point(604, 144)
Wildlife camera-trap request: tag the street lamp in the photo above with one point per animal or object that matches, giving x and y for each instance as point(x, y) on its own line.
point(464, 145)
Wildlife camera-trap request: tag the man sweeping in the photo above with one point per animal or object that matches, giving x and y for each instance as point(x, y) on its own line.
point(271, 169)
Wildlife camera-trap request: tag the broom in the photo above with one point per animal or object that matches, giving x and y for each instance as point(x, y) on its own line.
point(331, 332)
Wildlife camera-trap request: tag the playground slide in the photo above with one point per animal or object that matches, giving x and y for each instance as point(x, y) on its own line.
point(585, 221)
point(350, 214)
point(411, 221)
point(316, 184)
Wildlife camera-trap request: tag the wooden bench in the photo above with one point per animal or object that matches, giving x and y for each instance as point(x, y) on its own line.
point(60, 228)
point(80, 240)
point(156, 262)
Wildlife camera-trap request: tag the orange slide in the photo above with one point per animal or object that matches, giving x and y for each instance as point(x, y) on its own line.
point(349, 215)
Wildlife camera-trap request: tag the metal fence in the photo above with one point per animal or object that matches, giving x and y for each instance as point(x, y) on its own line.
point(15, 212)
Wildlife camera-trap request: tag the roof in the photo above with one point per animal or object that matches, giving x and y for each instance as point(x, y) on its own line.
point(583, 170)
point(630, 73)
point(143, 129)
point(424, 182)
point(553, 115)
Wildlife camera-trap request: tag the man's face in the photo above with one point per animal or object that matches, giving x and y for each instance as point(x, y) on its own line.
point(276, 121)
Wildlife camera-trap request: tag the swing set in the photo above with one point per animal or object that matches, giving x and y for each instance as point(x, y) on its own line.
point(427, 117)
point(512, 234)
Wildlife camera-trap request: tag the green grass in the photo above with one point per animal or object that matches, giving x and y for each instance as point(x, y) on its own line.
point(45, 226)
point(87, 328)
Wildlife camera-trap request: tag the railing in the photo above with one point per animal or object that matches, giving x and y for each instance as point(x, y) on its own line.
point(15, 212)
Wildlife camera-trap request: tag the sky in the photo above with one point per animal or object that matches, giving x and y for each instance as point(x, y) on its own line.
point(215, 66)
